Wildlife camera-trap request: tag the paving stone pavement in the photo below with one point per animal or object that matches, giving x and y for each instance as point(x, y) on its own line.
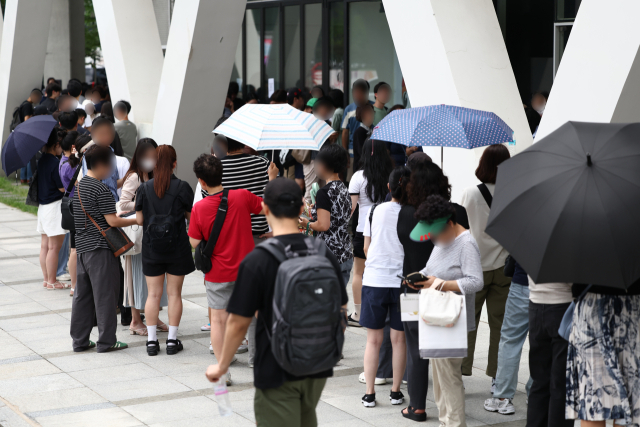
point(44, 383)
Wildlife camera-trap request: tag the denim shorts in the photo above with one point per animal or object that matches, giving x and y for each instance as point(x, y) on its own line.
point(377, 303)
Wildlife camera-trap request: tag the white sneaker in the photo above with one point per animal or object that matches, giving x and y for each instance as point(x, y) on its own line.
point(210, 349)
point(493, 385)
point(379, 381)
point(501, 406)
point(244, 347)
point(64, 277)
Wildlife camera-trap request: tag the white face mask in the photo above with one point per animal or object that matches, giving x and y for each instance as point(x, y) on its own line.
point(147, 165)
point(540, 109)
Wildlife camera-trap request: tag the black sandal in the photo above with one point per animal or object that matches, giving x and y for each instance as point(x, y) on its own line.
point(175, 348)
point(411, 414)
point(152, 350)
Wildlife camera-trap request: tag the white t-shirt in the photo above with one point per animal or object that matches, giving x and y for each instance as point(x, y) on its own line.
point(358, 186)
point(385, 256)
point(123, 166)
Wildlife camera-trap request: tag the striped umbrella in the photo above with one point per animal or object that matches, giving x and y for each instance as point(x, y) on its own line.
point(275, 127)
point(443, 126)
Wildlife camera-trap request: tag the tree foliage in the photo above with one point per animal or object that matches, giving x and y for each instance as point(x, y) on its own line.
point(91, 37)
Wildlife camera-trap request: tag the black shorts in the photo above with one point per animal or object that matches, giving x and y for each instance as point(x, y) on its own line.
point(358, 245)
point(175, 268)
point(299, 172)
point(72, 239)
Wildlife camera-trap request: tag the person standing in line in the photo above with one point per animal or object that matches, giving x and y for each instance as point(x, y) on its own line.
point(125, 128)
point(135, 289)
point(25, 112)
point(317, 92)
point(426, 179)
point(477, 202)
point(602, 362)
point(381, 289)
point(234, 242)
point(50, 193)
point(548, 363)
point(98, 97)
point(52, 91)
point(360, 94)
point(382, 93)
point(98, 269)
point(281, 399)
point(513, 334)
point(66, 171)
point(367, 187)
point(455, 259)
point(82, 119)
point(364, 116)
point(337, 96)
point(332, 210)
point(74, 89)
point(103, 133)
point(69, 122)
point(165, 201)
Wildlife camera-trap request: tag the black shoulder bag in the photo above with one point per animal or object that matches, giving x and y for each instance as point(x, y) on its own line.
point(67, 203)
point(485, 193)
point(204, 250)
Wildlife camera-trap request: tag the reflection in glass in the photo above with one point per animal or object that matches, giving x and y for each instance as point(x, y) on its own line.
point(562, 37)
point(292, 46)
point(371, 51)
point(313, 46)
point(253, 20)
point(336, 46)
point(271, 51)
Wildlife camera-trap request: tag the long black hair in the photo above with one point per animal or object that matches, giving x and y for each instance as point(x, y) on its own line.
point(398, 181)
point(143, 146)
point(376, 168)
point(426, 179)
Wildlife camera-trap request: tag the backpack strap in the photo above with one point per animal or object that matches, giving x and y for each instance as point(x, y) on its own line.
point(485, 193)
point(73, 180)
point(217, 224)
point(373, 208)
point(275, 248)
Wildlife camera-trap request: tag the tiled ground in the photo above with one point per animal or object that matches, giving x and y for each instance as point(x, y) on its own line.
point(44, 383)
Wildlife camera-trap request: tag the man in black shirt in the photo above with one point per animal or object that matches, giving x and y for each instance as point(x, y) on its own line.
point(53, 91)
point(281, 399)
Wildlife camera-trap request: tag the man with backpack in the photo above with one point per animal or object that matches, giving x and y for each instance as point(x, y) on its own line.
point(232, 241)
point(295, 284)
point(21, 114)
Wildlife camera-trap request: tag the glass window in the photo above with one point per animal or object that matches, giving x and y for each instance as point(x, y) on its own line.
point(313, 46)
point(562, 37)
point(253, 20)
point(271, 51)
point(292, 46)
point(567, 9)
point(372, 55)
point(336, 46)
point(236, 72)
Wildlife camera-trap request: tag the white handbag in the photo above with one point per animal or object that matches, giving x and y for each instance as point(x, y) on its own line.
point(438, 308)
point(134, 233)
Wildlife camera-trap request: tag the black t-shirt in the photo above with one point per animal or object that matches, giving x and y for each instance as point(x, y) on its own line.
point(49, 181)
point(334, 198)
point(26, 109)
point(520, 276)
point(359, 137)
point(50, 104)
point(97, 201)
point(254, 291)
point(177, 200)
point(416, 254)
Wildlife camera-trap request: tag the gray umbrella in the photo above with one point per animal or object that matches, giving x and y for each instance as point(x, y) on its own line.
point(568, 207)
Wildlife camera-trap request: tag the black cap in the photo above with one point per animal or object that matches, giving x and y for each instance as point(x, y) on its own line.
point(361, 84)
point(282, 191)
point(40, 110)
point(292, 93)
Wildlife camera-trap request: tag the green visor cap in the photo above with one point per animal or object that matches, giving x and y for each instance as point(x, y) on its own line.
point(424, 230)
point(312, 102)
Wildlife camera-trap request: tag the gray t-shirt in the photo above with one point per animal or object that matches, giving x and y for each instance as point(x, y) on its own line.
point(460, 261)
point(128, 134)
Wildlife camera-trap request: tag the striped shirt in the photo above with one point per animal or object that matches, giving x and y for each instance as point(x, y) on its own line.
point(98, 201)
point(460, 261)
point(244, 171)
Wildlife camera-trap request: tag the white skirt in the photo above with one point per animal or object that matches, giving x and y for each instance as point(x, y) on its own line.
point(50, 219)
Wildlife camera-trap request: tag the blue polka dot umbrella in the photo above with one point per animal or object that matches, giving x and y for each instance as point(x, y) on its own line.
point(443, 126)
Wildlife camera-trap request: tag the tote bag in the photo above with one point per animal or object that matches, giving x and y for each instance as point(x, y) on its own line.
point(436, 342)
point(439, 308)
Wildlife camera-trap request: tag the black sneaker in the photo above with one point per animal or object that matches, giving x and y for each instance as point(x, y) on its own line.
point(396, 398)
point(369, 400)
point(353, 322)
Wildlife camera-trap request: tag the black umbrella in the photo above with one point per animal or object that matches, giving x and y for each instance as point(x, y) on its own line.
point(25, 141)
point(567, 208)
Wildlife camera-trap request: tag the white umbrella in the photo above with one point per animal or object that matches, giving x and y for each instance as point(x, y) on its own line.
point(275, 127)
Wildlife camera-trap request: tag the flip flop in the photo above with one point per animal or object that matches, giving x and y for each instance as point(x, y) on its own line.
point(162, 327)
point(58, 285)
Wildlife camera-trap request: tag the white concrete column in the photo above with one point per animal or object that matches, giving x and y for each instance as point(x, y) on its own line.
point(132, 54)
point(57, 62)
point(599, 76)
point(200, 52)
point(452, 52)
point(22, 53)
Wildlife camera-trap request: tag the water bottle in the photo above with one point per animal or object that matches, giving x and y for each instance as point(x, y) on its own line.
point(222, 396)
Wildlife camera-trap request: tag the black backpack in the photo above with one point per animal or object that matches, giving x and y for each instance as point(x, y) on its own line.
point(162, 228)
point(15, 118)
point(307, 328)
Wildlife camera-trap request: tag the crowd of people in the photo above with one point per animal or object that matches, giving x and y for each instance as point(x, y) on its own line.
point(365, 200)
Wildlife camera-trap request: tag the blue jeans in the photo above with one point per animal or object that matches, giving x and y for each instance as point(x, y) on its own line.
point(345, 269)
point(63, 256)
point(512, 336)
point(25, 172)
